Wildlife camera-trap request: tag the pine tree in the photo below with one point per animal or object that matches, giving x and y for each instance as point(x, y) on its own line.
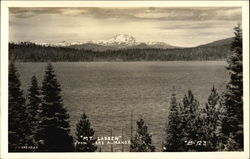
point(85, 136)
point(192, 131)
point(34, 107)
point(142, 141)
point(212, 120)
point(233, 121)
point(17, 116)
point(172, 143)
point(54, 128)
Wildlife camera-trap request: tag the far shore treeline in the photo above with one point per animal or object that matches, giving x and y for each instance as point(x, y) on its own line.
point(31, 52)
point(40, 122)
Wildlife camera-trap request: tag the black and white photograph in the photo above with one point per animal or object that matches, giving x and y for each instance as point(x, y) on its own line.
point(126, 79)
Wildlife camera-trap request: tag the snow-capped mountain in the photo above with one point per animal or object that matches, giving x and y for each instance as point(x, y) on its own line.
point(41, 43)
point(122, 39)
point(66, 43)
point(157, 44)
point(119, 41)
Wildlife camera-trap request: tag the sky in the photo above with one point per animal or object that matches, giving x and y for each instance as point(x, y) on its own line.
point(181, 26)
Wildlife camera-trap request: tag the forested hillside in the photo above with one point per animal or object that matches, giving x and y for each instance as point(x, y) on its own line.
point(30, 52)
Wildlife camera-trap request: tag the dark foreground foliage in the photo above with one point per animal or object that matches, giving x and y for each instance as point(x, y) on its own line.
point(54, 127)
point(142, 141)
point(85, 136)
point(232, 126)
point(17, 115)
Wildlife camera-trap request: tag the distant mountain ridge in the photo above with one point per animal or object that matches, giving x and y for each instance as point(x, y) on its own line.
point(119, 41)
point(124, 41)
point(221, 42)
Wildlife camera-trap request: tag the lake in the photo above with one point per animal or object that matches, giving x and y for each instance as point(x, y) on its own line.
point(108, 91)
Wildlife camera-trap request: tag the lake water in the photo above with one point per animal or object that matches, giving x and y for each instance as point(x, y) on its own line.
point(108, 91)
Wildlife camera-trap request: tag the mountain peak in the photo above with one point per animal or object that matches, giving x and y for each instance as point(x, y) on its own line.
point(122, 39)
point(119, 41)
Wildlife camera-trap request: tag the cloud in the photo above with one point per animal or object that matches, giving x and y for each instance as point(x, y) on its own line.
point(194, 14)
point(149, 13)
point(212, 24)
point(30, 12)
